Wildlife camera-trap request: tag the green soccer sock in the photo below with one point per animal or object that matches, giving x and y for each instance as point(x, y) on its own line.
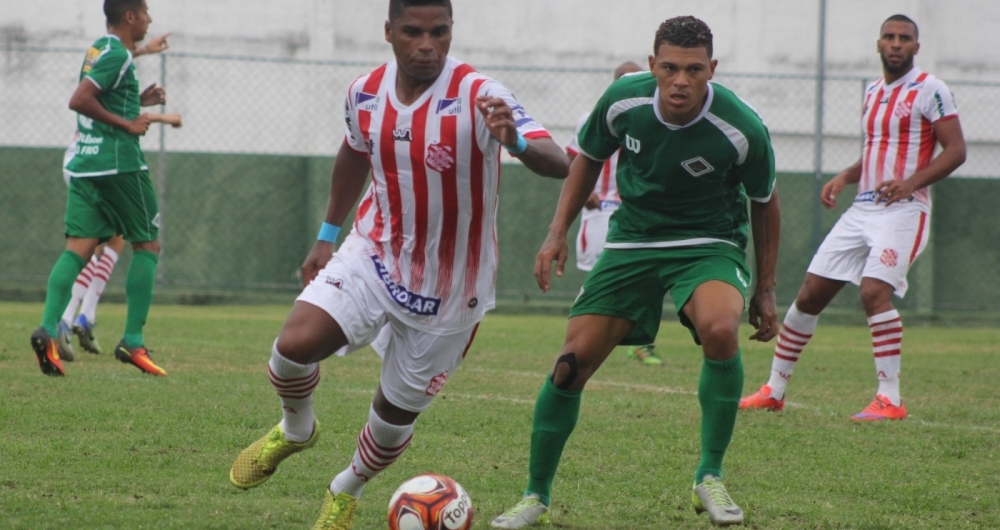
point(719, 392)
point(556, 412)
point(60, 289)
point(139, 295)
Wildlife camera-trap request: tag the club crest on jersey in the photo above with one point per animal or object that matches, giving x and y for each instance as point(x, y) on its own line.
point(697, 166)
point(889, 257)
point(903, 109)
point(632, 144)
point(402, 135)
point(449, 106)
point(440, 157)
point(367, 102)
point(412, 302)
point(436, 384)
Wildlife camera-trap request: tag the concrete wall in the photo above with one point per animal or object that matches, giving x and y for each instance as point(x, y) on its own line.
point(760, 36)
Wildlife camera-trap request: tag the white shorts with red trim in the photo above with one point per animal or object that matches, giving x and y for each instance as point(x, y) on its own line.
point(415, 364)
point(877, 243)
point(590, 241)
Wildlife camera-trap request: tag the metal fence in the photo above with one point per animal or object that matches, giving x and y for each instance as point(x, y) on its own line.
point(236, 106)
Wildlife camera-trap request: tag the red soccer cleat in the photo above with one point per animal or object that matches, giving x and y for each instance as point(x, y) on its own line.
point(881, 409)
point(762, 400)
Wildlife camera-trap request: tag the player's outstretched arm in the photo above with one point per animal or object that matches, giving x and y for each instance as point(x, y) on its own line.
point(952, 155)
point(157, 45)
point(542, 156)
point(765, 219)
point(583, 174)
point(84, 101)
point(350, 171)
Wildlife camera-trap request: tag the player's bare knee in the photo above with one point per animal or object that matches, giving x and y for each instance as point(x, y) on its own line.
point(719, 336)
point(568, 373)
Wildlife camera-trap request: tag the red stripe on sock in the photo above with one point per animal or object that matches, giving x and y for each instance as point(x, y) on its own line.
point(796, 333)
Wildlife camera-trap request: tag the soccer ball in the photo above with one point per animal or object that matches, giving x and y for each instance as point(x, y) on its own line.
point(430, 502)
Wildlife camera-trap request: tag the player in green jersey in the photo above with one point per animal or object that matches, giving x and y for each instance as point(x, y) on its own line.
point(110, 192)
point(692, 153)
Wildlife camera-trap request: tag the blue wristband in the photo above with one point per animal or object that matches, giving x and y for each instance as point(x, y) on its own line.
point(520, 147)
point(329, 233)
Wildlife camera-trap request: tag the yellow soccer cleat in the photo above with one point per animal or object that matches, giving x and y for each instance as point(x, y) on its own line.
point(711, 496)
point(337, 512)
point(255, 464)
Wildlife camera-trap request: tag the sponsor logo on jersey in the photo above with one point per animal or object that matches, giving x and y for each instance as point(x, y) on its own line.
point(402, 135)
point(336, 282)
point(86, 138)
point(940, 104)
point(412, 302)
point(84, 121)
point(903, 109)
point(367, 102)
point(632, 144)
point(697, 166)
point(889, 257)
point(450, 106)
point(915, 84)
point(156, 220)
point(608, 205)
point(869, 196)
point(93, 55)
point(436, 384)
point(521, 117)
point(439, 157)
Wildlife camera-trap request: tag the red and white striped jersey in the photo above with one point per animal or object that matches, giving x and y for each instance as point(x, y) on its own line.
point(898, 137)
point(606, 188)
point(427, 223)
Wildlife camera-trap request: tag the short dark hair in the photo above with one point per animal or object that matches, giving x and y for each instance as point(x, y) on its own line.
point(396, 7)
point(903, 18)
point(115, 10)
point(686, 32)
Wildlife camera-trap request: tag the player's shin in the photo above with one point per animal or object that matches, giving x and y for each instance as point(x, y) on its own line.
point(719, 393)
point(796, 330)
point(379, 445)
point(60, 289)
point(294, 384)
point(139, 284)
point(556, 413)
point(887, 342)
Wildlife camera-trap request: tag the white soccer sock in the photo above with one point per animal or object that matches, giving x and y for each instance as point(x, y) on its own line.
point(887, 342)
point(79, 290)
point(796, 331)
point(102, 272)
point(295, 384)
point(379, 445)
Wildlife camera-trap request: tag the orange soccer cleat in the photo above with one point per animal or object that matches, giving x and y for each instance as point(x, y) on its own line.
point(47, 350)
point(881, 409)
point(138, 357)
point(762, 400)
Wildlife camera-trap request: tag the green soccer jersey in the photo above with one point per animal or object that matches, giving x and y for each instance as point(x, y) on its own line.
point(100, 148)
point(680, 186)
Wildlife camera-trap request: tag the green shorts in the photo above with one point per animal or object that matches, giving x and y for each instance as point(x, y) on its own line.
point(114, 204)
point(631, 283)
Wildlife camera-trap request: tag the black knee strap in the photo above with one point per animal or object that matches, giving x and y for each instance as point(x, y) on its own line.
point(574, 369)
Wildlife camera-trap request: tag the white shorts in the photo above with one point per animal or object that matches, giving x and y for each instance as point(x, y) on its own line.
point(880, 244)
point(590, 241)
point(415, 364)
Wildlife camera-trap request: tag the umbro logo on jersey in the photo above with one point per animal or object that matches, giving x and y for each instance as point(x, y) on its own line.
point(632, 144)
point(450, 106)
point(402, 135)
point(697, 166)
point(367, 102)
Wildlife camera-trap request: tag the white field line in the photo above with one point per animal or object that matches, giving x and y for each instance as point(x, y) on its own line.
point(597, 383)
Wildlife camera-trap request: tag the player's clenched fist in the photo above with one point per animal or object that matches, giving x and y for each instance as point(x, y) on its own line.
point(139, 126)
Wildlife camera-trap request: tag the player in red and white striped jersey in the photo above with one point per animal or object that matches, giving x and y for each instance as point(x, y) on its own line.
point(417, 272)
point(906, 115)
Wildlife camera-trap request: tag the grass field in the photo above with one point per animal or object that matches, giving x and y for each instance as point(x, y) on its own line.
point(107, 447)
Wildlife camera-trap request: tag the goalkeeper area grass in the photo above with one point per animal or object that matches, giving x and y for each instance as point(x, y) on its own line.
point(109, 447)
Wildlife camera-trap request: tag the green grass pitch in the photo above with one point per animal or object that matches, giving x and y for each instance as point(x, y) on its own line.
point(107, 447)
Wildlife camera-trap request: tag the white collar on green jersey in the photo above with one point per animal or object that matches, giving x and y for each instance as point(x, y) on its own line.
point(702, 114)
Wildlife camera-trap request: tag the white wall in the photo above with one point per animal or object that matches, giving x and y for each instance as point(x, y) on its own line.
point(959, 37)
